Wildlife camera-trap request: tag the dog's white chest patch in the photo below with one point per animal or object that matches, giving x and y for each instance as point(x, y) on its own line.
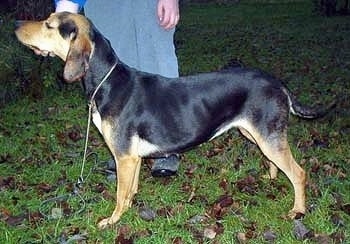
point(96, 118)
point(142, 147)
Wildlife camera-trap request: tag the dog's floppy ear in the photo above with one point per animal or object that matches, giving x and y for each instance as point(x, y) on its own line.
point(77, 60)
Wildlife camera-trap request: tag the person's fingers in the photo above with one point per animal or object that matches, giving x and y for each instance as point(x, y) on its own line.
point(168, 15)
point(169, 20)
point(43, 53)
point(160, 12)
point(37, 52)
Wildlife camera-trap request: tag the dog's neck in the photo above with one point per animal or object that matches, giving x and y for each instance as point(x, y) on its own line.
point(118, 84)
point(103, 58)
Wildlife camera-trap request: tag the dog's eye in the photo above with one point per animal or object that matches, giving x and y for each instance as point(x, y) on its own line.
point(48, 25)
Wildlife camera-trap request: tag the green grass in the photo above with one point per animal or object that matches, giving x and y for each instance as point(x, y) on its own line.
point(40, 149)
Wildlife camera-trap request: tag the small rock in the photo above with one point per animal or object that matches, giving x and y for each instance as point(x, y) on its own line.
point(147, 214)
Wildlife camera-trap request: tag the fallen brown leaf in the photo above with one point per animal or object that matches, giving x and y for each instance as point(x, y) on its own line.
point(7, 182)
point(124, 235)
point(35, 218)
point(15, 220)
point(338, 237)
point(322, 239)
point(248, 185)
point(177, 240)
point(224, 184)
point(75, 135)
point(44, 187)
point(346, 208)
point(221, 206)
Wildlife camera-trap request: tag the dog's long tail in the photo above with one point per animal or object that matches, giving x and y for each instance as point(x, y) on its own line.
point(305, 111)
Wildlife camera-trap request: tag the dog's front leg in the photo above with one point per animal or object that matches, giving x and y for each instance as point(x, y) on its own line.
point(128, 169)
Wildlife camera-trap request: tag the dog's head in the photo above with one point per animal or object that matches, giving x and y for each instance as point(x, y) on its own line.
point(63, 34)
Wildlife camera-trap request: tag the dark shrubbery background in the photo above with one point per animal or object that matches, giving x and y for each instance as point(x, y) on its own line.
point(332, 7)
point(22, 73)
point(28, 9)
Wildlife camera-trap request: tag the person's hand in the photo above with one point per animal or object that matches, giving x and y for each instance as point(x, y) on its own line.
point(43, 53)
point(168, 13)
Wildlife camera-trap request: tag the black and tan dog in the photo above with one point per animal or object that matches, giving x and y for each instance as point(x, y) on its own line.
point(147, 115)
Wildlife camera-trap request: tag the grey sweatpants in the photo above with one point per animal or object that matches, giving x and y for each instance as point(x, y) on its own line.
point(133, 30)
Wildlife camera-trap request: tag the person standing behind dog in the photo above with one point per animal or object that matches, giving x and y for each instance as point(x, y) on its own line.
point(142, 34)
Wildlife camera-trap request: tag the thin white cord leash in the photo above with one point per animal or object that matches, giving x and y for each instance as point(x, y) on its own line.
point(45, 205)
point(81, 179)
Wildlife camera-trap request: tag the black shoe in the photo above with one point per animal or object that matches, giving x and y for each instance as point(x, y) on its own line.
point(162, 167)
point(111, 170)
point(111, 165)
point(165, 167)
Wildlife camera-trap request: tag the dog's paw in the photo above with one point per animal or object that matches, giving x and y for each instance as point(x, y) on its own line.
point(296, 214)
point(104, 223)
point(108, 221)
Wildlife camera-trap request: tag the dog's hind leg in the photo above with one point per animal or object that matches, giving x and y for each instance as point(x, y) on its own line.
point(278, 151)
point(273, 170)
point(276, 148)
point(128, 169)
